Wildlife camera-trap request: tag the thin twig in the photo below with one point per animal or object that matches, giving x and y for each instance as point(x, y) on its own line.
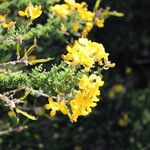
point(10, 130)
point(38, 93)
point(21, 61)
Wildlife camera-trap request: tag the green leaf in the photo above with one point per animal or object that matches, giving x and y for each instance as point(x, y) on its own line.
point(26, 114)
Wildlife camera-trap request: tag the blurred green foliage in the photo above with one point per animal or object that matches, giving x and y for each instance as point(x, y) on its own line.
point(128, 42)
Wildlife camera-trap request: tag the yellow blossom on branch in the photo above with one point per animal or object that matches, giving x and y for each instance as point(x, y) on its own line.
point(99, 22)
point(82, 103)
point(2, 19)
point(81, 11)
point(86, 53)
point(87, 29)
point(86, 97)
point(8, 25)
point(55, 106)
point(61, 10)
point(31, 11)
point(76, 26)
point(64, 10)
point(86, 15)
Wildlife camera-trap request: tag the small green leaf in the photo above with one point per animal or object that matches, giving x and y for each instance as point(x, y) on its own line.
point(26, 114)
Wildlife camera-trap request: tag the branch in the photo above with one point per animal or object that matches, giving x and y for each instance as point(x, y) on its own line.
point(7, 100)
point(10, 130)
point(39, 93)
point(21, 61)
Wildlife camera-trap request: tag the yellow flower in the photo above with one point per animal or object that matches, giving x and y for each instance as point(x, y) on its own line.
point(86, 53)
point(84, 33)
point(85, 15)
point(108, 64)
point(82, 103)
point(31, 11)
point(99, 22)
point(64, 10)
point(73, 5)
point(89, 26)
point(53, 113)
point(123, 121)
point(86, 97)
point(87, 29)
point(22, 13)
point(52, 105)
point(35, 12)
point(2, 19)
point(61, 10)
point(56, 106)
point(8, 25)
point(76, 26)
point(63, 107)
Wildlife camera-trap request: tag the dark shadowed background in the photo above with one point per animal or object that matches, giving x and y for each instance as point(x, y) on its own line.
point(121, 121)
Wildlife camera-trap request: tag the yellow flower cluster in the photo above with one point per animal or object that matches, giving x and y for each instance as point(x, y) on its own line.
point(55, 106)
point(70, 6)
point(64, 10)
point(76, 26)
point(6, 24)
point(87, 29)
point(31, 11)
point(86, 97)
point(83, 101)
point(87, 53)
point(61, 10)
